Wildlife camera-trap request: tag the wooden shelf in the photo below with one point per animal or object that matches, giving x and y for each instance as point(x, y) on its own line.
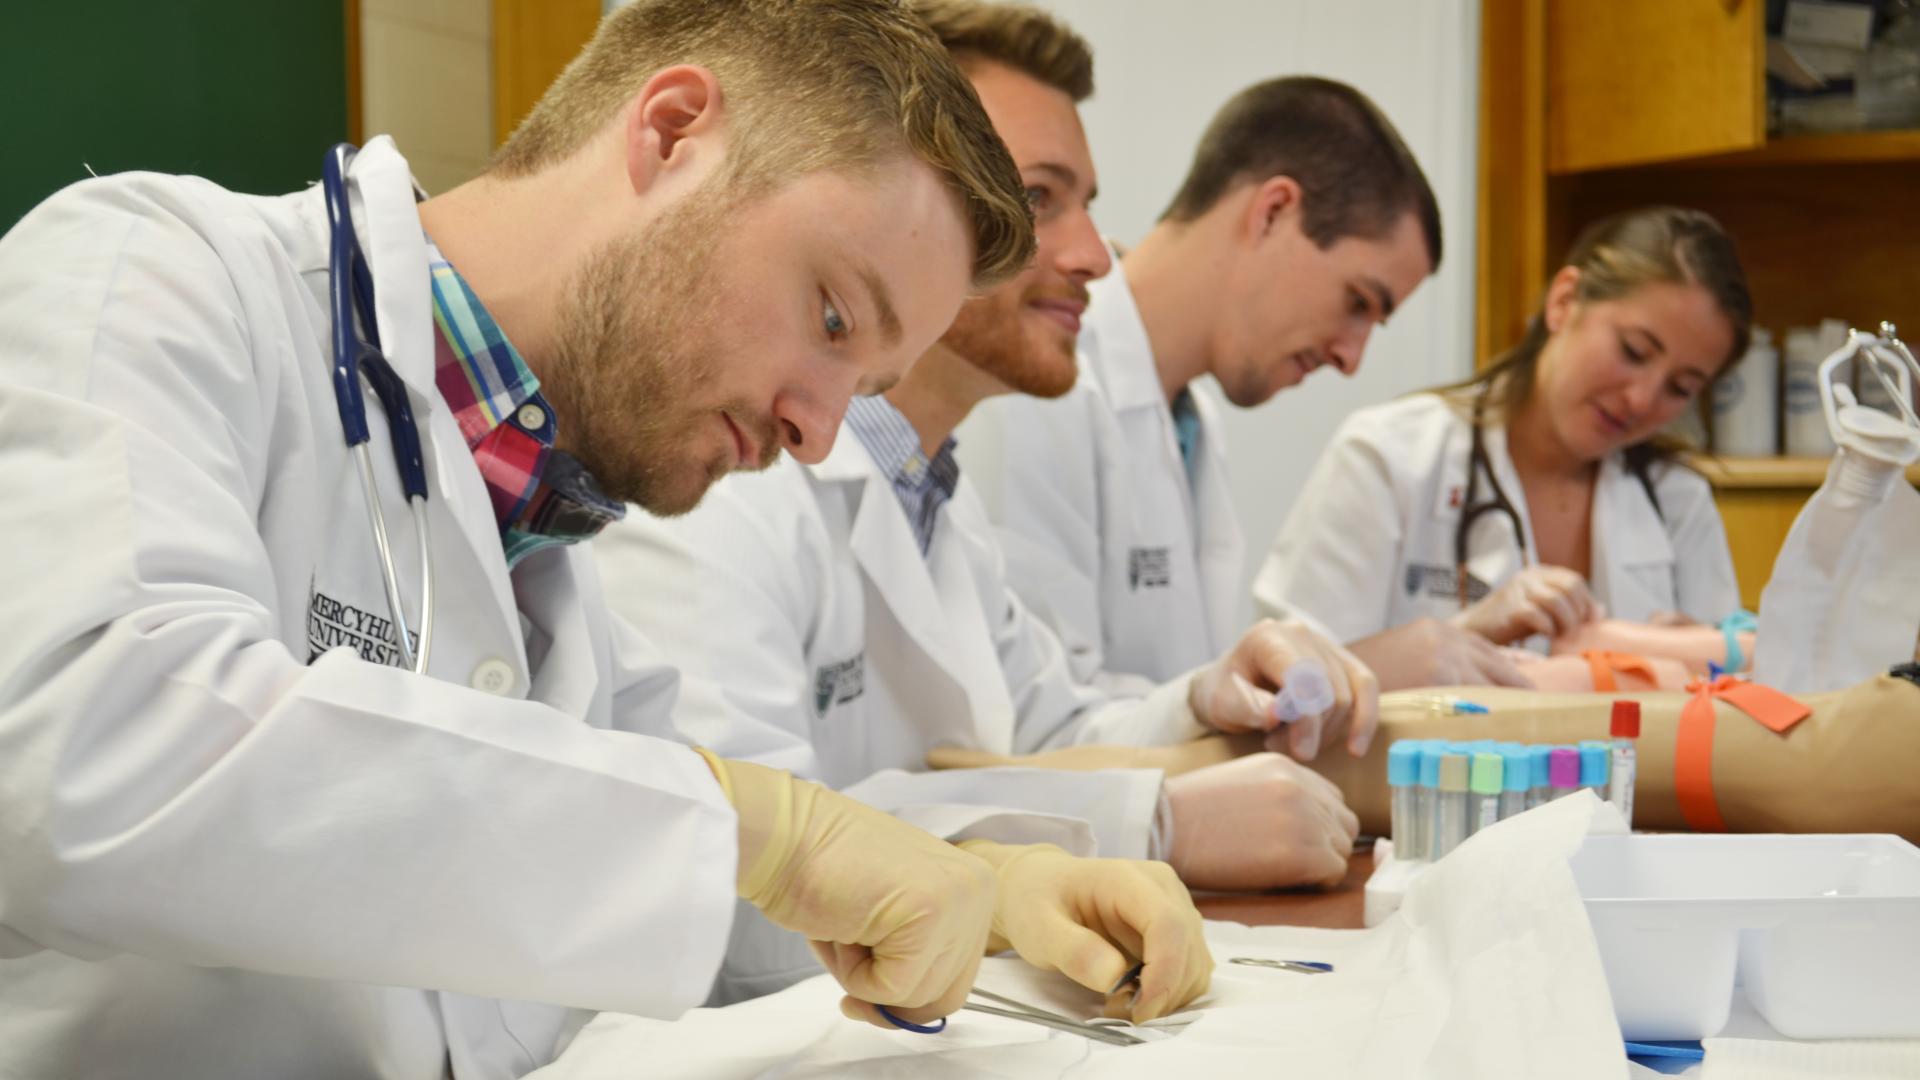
point(1769, 472)
point(1845, 148)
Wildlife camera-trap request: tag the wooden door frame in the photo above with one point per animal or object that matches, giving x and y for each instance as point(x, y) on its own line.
point(533, 40)
point(1512, 225)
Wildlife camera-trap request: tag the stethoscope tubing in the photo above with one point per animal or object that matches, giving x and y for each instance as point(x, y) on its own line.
point(350, 292)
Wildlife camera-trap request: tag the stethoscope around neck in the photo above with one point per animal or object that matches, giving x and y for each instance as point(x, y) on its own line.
point(1472, 511)
point(1497, 502)
point(357, 356)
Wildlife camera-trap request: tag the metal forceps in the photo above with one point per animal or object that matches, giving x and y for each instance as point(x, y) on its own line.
point(1304, 967)
point(1016, 1010)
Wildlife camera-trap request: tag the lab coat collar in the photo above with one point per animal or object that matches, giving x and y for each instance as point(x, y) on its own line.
point(884, 545)
point(933, 597)
point(1627, 530)
point(386, 214)
point(1118, 351)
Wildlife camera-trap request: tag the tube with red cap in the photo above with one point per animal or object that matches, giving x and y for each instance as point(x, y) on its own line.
point(1626, 728)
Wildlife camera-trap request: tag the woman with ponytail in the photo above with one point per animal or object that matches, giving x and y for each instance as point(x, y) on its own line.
point(1539, 494)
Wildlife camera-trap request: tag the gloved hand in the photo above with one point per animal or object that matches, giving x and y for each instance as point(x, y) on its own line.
point(1086, 918)
point(1262, 821)
point(1236, 693)
point(1433, 652)
point(899, 917)
point(1550, 600)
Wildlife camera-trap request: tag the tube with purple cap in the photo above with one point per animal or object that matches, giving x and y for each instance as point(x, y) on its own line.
point(1563, 770)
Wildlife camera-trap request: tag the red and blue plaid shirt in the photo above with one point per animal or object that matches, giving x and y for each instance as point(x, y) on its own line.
point(541, 496)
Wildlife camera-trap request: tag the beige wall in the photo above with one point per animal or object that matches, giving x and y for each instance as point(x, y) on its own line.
point(426, 80)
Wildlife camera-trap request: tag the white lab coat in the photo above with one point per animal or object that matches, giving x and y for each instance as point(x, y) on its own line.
point(226, 848)
point(1368, 545)
point(1138, 570)
point(802, 593)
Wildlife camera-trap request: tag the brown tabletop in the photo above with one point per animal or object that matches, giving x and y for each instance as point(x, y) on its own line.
point(1339, 908)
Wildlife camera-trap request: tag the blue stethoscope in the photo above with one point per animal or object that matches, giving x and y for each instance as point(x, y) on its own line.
point(357, 355)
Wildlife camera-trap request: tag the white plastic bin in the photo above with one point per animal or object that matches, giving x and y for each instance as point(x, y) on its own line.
point(1823, 931)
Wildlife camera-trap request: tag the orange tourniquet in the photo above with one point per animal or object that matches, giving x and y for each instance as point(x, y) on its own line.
point(1606, 665)
point(1693, 744)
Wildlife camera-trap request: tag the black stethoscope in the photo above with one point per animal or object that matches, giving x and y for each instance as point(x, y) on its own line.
point(1498, 503)
point(1471, 511)
point(357, 355)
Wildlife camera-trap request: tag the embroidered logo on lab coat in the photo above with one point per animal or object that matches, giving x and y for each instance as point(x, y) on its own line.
point(837, 684)
point(1442, 581)
point(369, 632)
point(1149, 568)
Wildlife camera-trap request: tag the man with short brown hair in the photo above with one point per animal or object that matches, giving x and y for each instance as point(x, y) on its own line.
point(1304, 221)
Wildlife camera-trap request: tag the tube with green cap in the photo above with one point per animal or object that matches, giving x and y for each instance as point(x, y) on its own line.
point(1483, 791)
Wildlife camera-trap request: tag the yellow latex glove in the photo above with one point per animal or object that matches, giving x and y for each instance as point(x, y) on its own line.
point(1087, 919)
point(900, 918)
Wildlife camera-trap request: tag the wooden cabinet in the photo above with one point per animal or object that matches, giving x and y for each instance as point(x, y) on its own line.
point(1634, 81)
point(532, 41)
point(1590, 108)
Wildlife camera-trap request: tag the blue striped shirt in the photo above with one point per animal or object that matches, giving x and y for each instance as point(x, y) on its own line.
point(923, 486)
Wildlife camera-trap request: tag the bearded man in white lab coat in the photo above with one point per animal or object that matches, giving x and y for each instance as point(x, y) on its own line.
point(1304, 221)
point(891, 631)
point(235, 839)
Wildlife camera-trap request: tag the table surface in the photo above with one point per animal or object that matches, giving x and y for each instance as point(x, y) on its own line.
point(1339, 908)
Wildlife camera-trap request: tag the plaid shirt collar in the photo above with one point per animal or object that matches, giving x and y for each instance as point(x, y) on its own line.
point(541, 496)
point(923, 486)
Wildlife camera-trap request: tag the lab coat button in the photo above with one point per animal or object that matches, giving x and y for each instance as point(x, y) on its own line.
point(493, 675)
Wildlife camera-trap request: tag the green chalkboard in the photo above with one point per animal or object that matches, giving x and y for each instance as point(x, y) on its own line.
point(248, 93)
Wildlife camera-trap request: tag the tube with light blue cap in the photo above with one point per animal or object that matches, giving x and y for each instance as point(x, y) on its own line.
point(1594, 757)
point(1403, 779)
point(1516, 776)
point(1541, 791)
point(1427, 801)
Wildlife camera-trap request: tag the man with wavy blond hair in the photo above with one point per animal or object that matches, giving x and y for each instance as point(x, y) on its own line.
point(237, 836)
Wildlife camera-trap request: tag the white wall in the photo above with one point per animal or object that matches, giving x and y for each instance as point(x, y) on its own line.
point(1161, 68)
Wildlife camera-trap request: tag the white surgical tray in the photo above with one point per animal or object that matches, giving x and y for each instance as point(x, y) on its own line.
point(1823, 932)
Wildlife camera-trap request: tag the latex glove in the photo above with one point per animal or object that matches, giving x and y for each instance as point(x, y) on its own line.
point(1434, 652)
point(900, 918)
point(1236, 693)
point(1550, 600)
point(1263, 821)
point(1088, 918)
